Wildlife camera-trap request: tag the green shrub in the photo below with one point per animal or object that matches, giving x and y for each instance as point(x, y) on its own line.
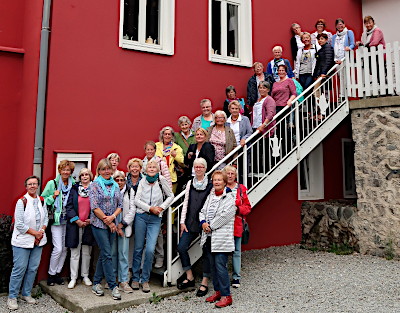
point(5, 251)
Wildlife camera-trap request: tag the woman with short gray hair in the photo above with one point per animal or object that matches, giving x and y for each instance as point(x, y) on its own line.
point(206, 119)
point(185, 137)
point(153, 197)
point(196, 193)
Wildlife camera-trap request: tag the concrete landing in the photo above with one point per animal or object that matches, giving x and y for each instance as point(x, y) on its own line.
point(82, 300)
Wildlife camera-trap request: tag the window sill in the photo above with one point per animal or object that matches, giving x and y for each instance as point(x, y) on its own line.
point(152, 48)
point(228, 60)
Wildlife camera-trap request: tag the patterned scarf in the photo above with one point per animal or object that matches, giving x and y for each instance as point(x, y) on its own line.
point(64, 190)
point(83, 191)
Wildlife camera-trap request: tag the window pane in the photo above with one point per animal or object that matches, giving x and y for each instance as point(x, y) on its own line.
point(232, 20)
point(349, 169)
point(216, 27)
point(131, 19)
point(152, 22)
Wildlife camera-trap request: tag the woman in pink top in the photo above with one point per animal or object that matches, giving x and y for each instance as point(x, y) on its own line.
point(372, 36)
point(283, 91)
point(79, 233)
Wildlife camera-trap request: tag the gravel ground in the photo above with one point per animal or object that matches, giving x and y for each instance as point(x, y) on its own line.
point(289, 279)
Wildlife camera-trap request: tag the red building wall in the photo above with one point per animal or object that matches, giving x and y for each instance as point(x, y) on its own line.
point(103, 98)
point(20, 24)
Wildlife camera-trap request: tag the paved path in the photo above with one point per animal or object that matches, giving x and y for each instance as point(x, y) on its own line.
point(289, 279)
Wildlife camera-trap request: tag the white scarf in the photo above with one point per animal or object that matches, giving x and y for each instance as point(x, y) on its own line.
point(367, 35)
point(342, 33)
point(339, 44)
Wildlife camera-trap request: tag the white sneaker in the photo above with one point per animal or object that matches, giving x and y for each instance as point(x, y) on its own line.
point(87, 281)
point(28, 299)
point(72, 284)
point(159, 263)
point(12, 304)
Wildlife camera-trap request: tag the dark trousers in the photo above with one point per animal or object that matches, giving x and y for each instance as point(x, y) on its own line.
point(183, 247)
point(219, 268)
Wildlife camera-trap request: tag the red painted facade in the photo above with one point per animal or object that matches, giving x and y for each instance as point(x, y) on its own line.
point(103, 98)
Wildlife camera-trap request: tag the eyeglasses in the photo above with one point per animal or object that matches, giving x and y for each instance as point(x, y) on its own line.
point(119, 180)
point(33, 184)
point(199, 167)
point(219, 117)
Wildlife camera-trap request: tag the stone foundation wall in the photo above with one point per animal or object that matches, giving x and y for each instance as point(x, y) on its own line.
point(372, 225)
point(325, 224)
point(376, 133)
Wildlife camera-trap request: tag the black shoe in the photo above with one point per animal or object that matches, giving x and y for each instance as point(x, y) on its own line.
point(235, 283)
point(51, 280)
point(58, 280)
point(202, 293)
point(187, 284)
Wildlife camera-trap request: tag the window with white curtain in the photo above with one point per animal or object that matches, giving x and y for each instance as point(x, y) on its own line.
point(147, 25)
point(230, 34)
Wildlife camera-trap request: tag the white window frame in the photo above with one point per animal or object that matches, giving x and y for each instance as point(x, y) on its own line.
point(166, 24)
point(74, 157)
point(245, 45)
point(315, 180)
point(347, 194)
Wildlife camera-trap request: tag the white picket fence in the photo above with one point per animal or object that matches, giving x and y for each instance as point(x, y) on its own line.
point(373, 72)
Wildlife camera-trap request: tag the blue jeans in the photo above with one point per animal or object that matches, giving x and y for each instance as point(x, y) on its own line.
point(147, 227)
point(183, 247)
point(219, 269)
point(237, 258)
point(26, 262)
point(104, 267)
point(120, 253)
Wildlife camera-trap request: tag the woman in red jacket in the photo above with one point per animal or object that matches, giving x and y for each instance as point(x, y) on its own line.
point(243, 208)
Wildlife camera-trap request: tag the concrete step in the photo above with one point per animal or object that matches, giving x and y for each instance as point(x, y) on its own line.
point(82, 300)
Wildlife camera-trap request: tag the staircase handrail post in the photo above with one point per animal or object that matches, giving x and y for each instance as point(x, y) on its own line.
point(297, 119)
point(169, 245)
point(245, 165)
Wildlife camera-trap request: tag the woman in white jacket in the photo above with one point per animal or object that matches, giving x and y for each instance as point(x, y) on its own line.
point(217, 219)
point(120, 247)
point(27, 241)
point(154, 196)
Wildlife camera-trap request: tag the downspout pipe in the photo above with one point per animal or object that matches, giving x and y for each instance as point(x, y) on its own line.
point(42, 88)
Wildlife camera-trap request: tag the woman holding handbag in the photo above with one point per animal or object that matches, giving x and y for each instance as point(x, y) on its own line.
point(243, 208)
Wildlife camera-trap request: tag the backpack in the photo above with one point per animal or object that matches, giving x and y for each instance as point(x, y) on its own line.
point(25, 201)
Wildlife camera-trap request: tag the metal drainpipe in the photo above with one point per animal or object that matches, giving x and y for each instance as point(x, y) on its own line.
point(42, 87)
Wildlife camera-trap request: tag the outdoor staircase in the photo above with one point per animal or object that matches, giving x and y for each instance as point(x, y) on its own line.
point(273, 155)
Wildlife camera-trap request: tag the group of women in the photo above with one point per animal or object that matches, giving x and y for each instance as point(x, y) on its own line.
point(112, 208)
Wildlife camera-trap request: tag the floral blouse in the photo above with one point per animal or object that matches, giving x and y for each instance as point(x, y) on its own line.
point(105, 203)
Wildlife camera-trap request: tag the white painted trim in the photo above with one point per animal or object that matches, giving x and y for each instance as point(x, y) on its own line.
point(245, 43)
point(74, 157)
point(315, 190)
point(166, 29)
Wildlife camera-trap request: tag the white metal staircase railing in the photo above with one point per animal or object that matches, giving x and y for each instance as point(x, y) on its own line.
point(373, 71)
point(265, 160)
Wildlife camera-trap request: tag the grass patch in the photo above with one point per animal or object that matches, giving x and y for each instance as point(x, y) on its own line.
point(155, 299)
point(389, 250)
point(343, 249)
